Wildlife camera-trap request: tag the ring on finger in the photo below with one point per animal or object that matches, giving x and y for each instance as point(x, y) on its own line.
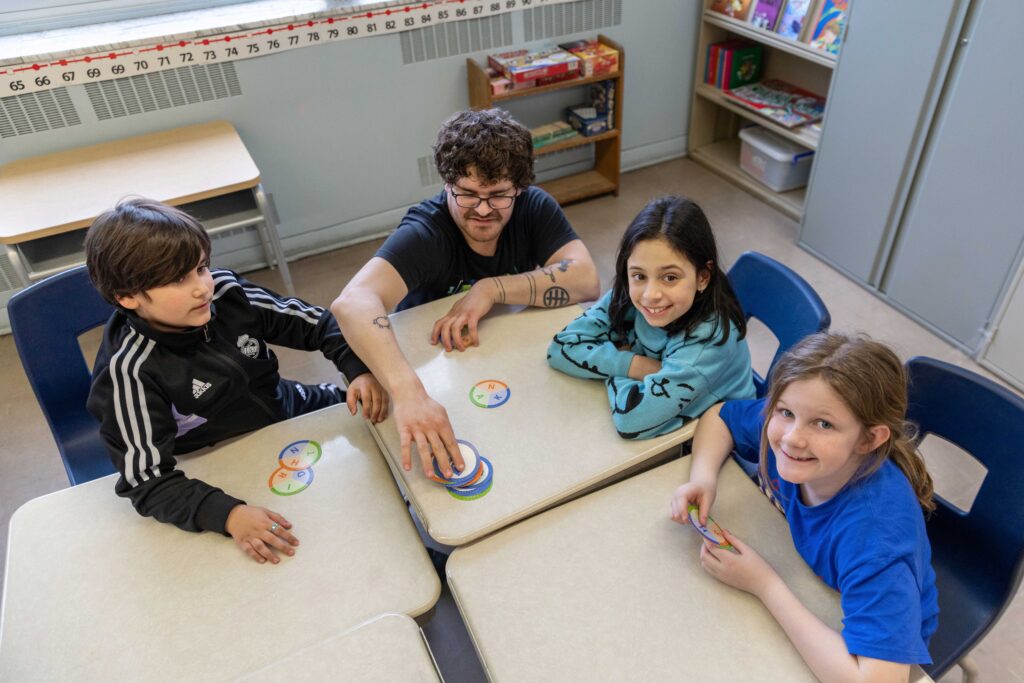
point(274, 527)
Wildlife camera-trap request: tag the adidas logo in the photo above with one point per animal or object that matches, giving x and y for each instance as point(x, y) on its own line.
point(199, 387)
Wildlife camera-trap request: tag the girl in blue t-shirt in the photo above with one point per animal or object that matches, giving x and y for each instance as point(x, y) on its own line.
point(836, 456)
point(668, 337)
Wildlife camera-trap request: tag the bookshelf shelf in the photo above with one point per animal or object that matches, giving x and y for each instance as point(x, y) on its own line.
point(603, 178)
point(769, 38)
point(715, 120)
point(800, 135)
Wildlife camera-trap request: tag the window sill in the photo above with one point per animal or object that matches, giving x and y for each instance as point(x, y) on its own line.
point(70, 42)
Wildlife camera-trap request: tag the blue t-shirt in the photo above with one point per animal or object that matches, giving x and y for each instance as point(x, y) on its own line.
point(868, 542)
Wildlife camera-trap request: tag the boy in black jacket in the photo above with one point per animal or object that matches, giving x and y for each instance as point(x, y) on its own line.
point(185, 363)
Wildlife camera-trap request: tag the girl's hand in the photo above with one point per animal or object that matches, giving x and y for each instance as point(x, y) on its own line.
point(259, 531)
point(699, 493)
point(744, 569)
point(641, 366)
point(366, 389)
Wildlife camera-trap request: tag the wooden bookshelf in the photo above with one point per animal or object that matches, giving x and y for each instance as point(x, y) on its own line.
point(715, 120)
point(603, 178)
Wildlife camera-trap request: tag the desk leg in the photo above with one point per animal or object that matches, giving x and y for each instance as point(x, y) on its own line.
point(268, 234)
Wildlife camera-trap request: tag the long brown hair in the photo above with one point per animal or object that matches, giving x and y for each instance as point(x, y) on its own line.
point(682, 223)
point(869, 378)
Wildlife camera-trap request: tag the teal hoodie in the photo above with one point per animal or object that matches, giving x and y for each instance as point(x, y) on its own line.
point(695, 373)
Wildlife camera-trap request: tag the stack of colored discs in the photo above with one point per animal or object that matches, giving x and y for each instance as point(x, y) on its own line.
point(473, 481)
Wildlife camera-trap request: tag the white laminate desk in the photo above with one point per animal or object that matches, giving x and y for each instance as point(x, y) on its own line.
point(62, 192)
point(609, 588)
point(552, 440)
point(93, 591)
point(386, 649)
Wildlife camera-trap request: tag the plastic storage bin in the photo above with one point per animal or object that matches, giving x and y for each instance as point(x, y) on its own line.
point(772, 159)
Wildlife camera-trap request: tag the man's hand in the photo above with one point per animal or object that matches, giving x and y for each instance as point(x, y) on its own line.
point(258, 531)
point(367, 390)
point(466, 313)
point(424, 421)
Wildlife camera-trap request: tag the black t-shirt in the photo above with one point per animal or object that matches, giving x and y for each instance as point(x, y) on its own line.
point(430, 253)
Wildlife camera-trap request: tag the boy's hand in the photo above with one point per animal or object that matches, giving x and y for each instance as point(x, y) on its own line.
point(744, 569)
point(258, 531)
point(699, 493)
point(366, 389)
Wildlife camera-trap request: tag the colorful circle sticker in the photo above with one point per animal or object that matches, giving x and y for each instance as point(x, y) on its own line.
point(286, 482)
point(710, 531)
point(300, 455)
point(489, 393)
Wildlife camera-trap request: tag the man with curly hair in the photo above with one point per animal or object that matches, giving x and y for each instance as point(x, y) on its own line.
point(490, 233)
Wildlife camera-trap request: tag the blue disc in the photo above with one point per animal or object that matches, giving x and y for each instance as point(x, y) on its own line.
point(479, 486)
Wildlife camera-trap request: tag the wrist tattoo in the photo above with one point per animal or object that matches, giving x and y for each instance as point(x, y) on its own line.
point(533, 289)
point(383, 322)
point(556, 297)
point(501, 290)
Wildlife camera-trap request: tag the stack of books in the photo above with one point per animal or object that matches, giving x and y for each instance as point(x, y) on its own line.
point(550, 133)
point(732, 63)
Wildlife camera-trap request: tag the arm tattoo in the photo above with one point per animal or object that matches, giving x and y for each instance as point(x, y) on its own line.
point(547, 270)
point(501, 290)
point(563, 265)
point(382, 322)
point(533, 289)
point(556, 297)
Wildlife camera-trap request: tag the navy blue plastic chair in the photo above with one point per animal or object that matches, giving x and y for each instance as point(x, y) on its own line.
point(46, 321)
point(779, 298)
point(978, 556)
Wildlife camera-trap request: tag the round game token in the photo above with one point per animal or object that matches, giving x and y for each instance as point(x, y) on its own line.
point(286, 482)
point(300, 455)
point(479, 488)
point(489, 393)
point(470, 461)
point(476, 496)
point(711, 531)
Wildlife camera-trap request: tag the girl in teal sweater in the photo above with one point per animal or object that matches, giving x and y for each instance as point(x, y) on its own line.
point(668, 337)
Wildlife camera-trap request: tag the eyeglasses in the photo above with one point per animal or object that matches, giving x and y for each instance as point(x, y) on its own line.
point(471, 201)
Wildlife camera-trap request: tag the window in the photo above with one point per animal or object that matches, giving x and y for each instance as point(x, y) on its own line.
point(29, 16)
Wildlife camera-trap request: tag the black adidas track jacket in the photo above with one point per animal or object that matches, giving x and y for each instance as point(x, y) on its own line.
point(161, 393)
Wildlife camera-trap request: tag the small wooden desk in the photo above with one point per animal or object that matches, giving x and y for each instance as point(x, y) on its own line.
point(63, 192)
point(551, 441)
point(387, 648)
point(109, 595)
point(609, 588)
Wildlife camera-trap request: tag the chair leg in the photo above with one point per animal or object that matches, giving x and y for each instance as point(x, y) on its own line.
point(969, 668)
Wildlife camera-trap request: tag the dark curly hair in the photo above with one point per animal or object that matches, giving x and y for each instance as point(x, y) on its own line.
point(490, 141)
point(141, 244)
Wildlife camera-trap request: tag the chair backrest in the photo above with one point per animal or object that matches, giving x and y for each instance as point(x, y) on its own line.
point(46, 321)
point(978, 556)
point(779, 298)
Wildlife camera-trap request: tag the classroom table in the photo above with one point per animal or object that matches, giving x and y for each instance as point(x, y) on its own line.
point(552, 440)
point(387, 648)
point(109, 595)
point(610, 588)
point(59, 193)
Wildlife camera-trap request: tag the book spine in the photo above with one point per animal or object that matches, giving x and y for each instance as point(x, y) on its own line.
point(727, 74)
point(713, 75)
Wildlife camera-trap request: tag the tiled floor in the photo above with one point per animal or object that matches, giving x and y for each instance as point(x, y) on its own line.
point(31, 467)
